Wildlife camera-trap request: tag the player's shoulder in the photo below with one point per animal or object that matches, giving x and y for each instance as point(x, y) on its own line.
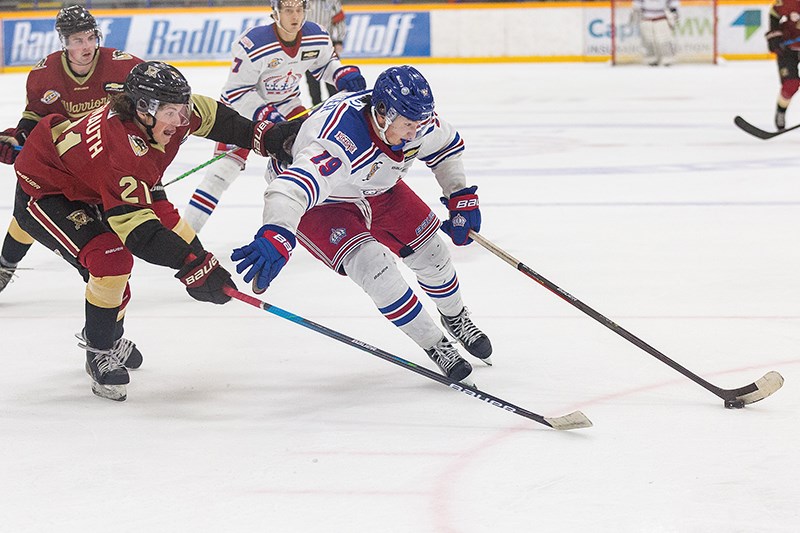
point(112, 54)
point(46, 64)
point(343, 122)
point(312, 29)
point(257, 37)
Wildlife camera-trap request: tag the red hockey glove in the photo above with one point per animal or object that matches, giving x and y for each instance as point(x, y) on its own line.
point(10, 142)
point(275, 140)
point(205, 279)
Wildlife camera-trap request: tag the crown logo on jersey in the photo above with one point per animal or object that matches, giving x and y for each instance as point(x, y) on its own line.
point(138, 145)
point(79, 218)
point(337, 234)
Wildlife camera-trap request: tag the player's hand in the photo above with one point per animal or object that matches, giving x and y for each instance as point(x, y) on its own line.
point(265, 256)
point(465, 215)
point(10, 141)
point(276, 140)
point(349, 79)
point(205, 279)
point(268, 112)
point(774, 40)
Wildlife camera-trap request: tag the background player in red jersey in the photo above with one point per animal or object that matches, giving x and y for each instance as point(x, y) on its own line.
point(85, 192)
point(783, 38)
point(71, 82)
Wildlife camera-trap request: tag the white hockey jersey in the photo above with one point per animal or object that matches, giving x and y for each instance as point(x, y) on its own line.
point(264, 71)
point(338, 157)
point(655, 9)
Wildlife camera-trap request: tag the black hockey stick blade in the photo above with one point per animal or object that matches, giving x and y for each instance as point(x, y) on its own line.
point(574, 420)
point(758, 132)
point(756, 391)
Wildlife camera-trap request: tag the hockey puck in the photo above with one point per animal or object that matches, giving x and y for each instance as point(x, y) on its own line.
point(735, 403)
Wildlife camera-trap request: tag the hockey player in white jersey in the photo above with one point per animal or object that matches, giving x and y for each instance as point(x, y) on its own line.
point(344, 199)
point(269, 63)
point(657, 20)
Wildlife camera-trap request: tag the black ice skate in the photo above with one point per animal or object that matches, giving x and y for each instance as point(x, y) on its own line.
point(129, 354)
point(780, 119)
point(109, 375)
point(445, 355)
point(471, 338)
point(6, 273)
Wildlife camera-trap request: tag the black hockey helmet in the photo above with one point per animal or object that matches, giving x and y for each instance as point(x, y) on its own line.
point(152, 83)
point(75, 19)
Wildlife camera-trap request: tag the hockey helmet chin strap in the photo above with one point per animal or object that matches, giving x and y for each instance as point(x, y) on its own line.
point(381, 131)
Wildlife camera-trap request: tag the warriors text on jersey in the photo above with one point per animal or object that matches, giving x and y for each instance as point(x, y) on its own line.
point(267, 71)
point(53, 88)
point(338, 157)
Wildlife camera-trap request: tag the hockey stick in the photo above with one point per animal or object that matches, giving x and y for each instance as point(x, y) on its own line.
point(733, 398)
point(575, 420)
point(220, 156)
point(758, 132)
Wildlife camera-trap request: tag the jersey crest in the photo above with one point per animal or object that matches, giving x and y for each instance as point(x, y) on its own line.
point(275, 62)
point(337, 234)
point(119, 55)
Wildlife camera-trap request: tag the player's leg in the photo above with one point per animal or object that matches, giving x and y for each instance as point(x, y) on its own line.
point(15, 245)
point(790, 81)
point(665, 38)
point(647, 33)
point(337, 235)
point(219, 176)
point(314, 89)
point(77, 233)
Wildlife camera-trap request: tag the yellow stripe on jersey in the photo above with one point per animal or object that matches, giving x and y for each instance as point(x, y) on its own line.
point(206, 109)
point(124, 224)
point(106, 291)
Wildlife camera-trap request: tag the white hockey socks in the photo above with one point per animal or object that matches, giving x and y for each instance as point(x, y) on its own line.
point(206, 197)
point(373, 268)
point(436, 275)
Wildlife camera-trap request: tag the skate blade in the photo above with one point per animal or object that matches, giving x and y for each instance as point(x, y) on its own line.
point(469, 382)
point(486, 361)
point(117, 393)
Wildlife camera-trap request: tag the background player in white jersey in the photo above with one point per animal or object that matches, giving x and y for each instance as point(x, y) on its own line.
point(268, 64)
point(346, 183)
point(657, 19)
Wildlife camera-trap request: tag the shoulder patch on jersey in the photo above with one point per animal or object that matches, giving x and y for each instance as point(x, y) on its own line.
point(119, 55)
point(50, 96)
point(41, 64)
point(138, 145)
point(113, 87)
point(309, 54)
point(346, 142)
point(246, 43)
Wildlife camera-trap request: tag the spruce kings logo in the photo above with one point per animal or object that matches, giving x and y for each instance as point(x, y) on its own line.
point(751, 20)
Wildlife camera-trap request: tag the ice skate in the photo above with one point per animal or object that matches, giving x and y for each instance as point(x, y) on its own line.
point(471, 338)
point(109, 375)
point(445, 355)
point(129, 354)
point(6, 275)
point(780, 120)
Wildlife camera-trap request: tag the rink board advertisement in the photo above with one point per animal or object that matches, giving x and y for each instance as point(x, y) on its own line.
point(567, 31)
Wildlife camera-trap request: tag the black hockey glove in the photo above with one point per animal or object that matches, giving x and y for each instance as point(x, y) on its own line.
point(774, 40)
point(10, 142)
point(276, 140)
point(205, 279)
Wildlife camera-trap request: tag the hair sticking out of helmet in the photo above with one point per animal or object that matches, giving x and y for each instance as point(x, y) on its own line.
point(75, 19)
point(277, 5)
point(152, 84)
point(401, 91)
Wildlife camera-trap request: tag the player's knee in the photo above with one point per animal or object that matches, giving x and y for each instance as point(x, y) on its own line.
point(789, 88)
point(430, 260)
point(109, 264)
point(105, 255)
point(370, 265)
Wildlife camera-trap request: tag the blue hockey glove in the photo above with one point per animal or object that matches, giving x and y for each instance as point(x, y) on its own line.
point(265, 256)
point(349, 79)
point(268, 112)
point(465, 215)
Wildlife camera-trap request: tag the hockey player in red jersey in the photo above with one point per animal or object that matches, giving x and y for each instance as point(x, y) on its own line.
point(72, 82)
point(783, 38)
point(85, 192)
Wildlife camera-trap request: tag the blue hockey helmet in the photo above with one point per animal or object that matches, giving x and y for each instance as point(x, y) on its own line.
point(403, 91)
